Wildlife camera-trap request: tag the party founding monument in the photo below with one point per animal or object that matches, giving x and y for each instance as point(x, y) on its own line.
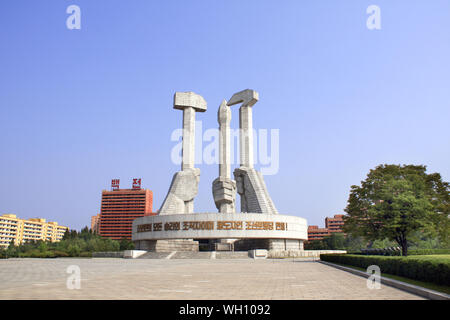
point(258, 225)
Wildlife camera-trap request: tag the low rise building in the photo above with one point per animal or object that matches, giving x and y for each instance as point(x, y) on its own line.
point(316, 233)
point(335, 223)
point(23, 230)
point(332, 225)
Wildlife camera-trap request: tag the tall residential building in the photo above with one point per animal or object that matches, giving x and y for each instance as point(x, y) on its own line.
point(120, 207)
point(23, 230)
point(95, 223)
point(332, 225)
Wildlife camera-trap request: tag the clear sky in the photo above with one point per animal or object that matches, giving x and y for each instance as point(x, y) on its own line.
point(81, 107)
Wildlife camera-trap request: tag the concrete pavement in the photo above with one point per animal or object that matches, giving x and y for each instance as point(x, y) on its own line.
point(219, 279)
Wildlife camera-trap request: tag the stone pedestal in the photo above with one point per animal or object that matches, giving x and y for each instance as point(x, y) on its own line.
point(167, 245)
point(285, 244)
point(268, 244)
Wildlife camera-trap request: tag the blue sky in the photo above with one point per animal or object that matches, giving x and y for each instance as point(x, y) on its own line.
point(81, 107)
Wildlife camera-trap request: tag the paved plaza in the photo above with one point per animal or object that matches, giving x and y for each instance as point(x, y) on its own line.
point(219, 279)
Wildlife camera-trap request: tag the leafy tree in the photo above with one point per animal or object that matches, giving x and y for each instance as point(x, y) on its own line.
point(70, 234)
point(419, 240)
point(74, 243)
point(440, 199)
point(42, 246)
point(316, 245)
point(381, 244)
point(66, 235)
point(336, 241)
point(396, 201)
point(354, 244)
point(11, 251)
point(126, 244)
point(86, 233)
point(74, 250)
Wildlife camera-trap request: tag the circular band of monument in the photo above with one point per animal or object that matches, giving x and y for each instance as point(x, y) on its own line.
point(219, 226)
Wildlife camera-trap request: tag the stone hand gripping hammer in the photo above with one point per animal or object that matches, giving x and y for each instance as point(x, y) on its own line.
point(184, 186)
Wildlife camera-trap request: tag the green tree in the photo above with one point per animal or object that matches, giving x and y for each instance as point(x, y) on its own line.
point(126, 244)
point(316, 245)
point(396, 201)
point(11, 251)
point(419, 240)
point(354, 244)
point(70, 234)
point(74, 250)
point(42, 246)
point(336, 241)
point(381, 244)
point(438, 192)
point(86, 233)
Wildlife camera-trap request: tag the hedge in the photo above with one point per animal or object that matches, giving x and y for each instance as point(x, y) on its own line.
point(397, 252)
point(44, 254)
point(392, 251)
point(436, 270)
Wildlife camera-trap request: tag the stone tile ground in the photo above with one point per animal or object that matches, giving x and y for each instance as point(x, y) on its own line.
point(220, 279)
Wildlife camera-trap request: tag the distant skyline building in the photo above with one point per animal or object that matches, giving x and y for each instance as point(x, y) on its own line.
point(119, 207)
point(332, 225)
point(23, 230)
point(335, 224)
point(95, 223)
point(316, 233)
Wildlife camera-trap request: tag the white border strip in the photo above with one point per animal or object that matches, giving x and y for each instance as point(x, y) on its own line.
point(170, 255)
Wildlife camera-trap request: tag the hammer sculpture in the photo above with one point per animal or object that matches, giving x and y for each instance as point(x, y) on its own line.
point(184, 186)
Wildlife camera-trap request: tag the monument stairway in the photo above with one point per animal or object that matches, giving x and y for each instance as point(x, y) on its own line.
point(154, 255)
point(232, 255)
point(191, 255)
point(196, 255)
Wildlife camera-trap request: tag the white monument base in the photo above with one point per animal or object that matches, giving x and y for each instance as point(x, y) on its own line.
point(178, 232)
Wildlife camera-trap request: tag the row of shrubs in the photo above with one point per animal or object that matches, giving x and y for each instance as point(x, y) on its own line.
point(44, 254)
point(436, 271)
point(397, 251)
point(74, 244)
point(391, 251)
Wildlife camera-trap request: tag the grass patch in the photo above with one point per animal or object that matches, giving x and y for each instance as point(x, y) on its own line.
point(445, 258)
point(428, 285)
